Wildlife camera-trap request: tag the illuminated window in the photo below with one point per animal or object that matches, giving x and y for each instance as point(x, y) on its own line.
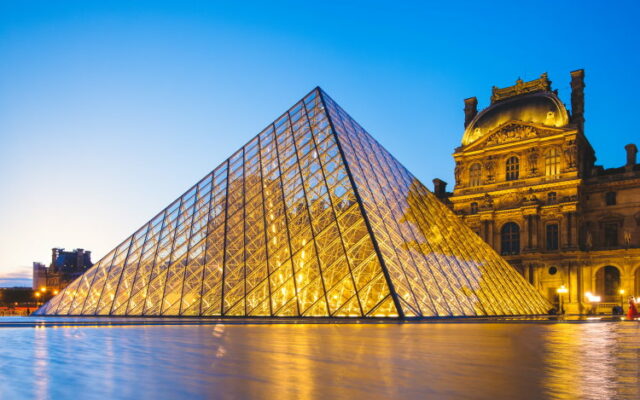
point(552, 162)
point(475, 173)
point(552, 237)
point(610, 198)
point(510, 236)
point(513, 168)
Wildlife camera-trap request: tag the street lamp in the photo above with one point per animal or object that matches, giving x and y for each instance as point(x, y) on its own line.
point(37, 294)
point(561, 291)
point(594, 300)
point(621, 291)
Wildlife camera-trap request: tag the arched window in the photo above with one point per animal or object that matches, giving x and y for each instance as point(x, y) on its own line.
point(475, 173)
point(513, 168)
point(608, 283)
point(552, 162)
point(510, 235)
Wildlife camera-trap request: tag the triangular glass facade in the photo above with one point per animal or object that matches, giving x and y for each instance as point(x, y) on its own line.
point(311, 218)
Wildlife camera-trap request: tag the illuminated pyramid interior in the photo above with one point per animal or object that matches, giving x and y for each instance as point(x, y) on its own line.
point(311, 218)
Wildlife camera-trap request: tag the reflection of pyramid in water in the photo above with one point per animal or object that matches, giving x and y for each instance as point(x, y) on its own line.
point(311, 218)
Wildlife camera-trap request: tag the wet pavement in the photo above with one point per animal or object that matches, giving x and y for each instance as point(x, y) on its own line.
point(171, 359)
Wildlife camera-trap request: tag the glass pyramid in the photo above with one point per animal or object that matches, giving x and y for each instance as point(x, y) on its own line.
point(311, 218)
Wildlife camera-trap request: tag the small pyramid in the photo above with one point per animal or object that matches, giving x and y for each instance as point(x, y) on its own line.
point(311, 218)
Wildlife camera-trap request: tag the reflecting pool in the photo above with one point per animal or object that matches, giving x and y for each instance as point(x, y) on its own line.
point(326, 361)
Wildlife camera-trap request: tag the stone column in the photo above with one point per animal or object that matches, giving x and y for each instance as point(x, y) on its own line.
point(573, 288)
point(527, 233)
point(534, 233)
point(574, 230)
point(570, 238)
point(564, 231)
point(580, 291)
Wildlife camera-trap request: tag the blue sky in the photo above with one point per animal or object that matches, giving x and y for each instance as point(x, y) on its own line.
point(110, 110)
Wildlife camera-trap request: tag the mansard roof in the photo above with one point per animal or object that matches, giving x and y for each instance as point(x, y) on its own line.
point(531, 101)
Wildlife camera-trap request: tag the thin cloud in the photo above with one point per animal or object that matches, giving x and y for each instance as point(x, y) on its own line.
point(21, 277)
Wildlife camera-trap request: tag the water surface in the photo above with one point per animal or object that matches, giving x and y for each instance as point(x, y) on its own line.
point(326, 361)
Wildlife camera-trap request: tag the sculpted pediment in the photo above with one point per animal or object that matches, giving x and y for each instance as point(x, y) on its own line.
point(512, 132)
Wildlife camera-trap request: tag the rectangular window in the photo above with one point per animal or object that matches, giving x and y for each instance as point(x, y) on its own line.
point(552, 237)
point(552, 163)
point(512, 169)
point(475, 175)
point(610, 198)
point(611, 234)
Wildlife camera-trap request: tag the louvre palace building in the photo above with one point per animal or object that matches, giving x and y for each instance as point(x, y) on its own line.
point(526, 182)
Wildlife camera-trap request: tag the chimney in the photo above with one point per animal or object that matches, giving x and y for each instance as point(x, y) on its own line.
point(79, 257)
point(577, 98)
point(439, 188)
point(54, 255)
point(632, 150)
point(470, 109)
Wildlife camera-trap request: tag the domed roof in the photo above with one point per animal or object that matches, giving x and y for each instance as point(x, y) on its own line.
point(540, 108)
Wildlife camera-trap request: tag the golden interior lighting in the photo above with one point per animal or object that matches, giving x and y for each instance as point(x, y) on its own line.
point(592, 298)
point(235, 243)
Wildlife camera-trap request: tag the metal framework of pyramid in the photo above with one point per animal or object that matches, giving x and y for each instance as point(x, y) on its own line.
point(311, 218)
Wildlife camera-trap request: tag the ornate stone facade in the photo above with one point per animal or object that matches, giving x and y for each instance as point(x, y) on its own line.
point(527, 184)
point(65, 267)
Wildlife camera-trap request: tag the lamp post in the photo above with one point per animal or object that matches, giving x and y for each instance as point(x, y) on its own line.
point(37, 294)
point(621, 291)
point(561, 291)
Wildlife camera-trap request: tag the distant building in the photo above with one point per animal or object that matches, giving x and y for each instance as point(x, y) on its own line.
point(527, 184)
point(65, 267)
point(39, 275)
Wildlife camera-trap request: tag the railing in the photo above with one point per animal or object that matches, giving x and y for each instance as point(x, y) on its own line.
point(605, 308)
point(15, 312)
